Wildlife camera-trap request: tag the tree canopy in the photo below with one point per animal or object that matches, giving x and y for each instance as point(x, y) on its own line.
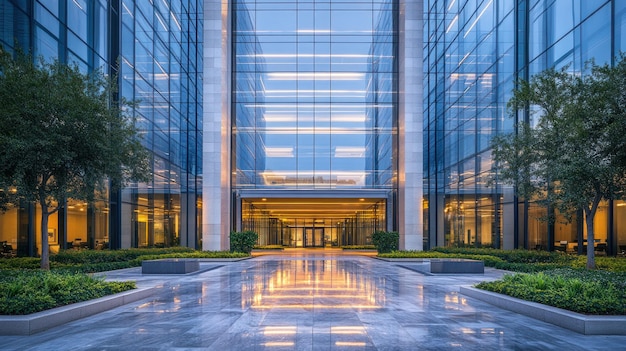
point(63, 134)
point(572, 153)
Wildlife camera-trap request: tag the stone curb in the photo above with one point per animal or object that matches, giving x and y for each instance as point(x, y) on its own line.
point(580, 323)
point(40, 321)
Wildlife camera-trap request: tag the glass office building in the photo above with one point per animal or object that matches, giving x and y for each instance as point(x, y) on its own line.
point(474, 51)
point(155, 49)
point(312, 95)
point(316, 123)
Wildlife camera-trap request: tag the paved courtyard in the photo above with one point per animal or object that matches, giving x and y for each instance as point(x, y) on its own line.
point(308, 300)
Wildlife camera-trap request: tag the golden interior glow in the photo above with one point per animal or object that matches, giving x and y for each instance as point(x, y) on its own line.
point(312, 286)
point(279, 343)
point(350, 343)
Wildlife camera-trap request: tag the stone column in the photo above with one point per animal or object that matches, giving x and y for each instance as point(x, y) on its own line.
point(410, 124)
point(216, 125)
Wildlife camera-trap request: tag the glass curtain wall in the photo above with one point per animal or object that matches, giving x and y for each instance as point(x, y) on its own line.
point(313, 97)
point(158, 48)
point(473, 53)
point(469, 71)
point(313, 107)
point(161, 58)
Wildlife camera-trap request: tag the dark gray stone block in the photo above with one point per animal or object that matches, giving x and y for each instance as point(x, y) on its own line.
point(170, 266)
point(457, 266)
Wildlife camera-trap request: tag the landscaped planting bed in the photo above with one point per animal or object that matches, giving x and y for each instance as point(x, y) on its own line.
point(25, 292)
point(588, 292)
point(553, 279)
point(25, 289)
point(91, 261)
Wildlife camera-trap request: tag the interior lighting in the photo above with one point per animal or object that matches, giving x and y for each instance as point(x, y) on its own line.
point(349, 152)
point(315, 76)
point(314, 31)
point(477, 19)
point(313, 55)
point(279, 152)
point(452, 23)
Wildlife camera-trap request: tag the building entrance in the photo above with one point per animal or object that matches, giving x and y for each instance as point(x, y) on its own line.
point(313, 222)
point(313, 237)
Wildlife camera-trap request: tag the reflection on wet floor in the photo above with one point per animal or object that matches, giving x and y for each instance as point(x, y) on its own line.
point(319, 284)
point(309, 301)
point(299, 289)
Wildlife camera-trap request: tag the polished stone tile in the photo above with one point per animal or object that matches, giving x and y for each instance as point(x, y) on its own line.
point(308, 301)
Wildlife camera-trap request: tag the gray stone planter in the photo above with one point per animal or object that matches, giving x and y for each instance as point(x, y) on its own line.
point(40, 321)
point(580, 323)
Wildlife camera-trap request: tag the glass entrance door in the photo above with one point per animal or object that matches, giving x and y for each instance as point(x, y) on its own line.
point(313, 237)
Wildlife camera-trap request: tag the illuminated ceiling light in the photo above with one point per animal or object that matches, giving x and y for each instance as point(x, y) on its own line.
point(317, 131)
point(315, 76)
point(477, 19)
point(316, 91)
point(279, 118)
point(314, 31)
point(347, 151)
point(452, 23)
point(334, 117)
point(317, 106)
point(279, 152)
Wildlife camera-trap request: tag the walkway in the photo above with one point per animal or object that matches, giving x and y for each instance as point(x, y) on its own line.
point(308, 301)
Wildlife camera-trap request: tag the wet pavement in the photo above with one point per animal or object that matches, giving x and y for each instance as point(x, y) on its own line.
point(308, 300)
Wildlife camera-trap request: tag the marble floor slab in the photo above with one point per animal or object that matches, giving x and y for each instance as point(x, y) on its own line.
point(308, 301)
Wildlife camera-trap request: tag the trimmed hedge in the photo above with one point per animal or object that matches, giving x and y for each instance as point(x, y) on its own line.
point(386, 241)
point(359, 247)
point(243, 241)
point(92, 261)
point(515, 260)
point(25, 292)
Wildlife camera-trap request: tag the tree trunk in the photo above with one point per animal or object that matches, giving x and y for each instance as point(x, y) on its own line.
point(45, 251)
point(591, 260)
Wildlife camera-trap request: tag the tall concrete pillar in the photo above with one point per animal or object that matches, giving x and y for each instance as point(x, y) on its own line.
point(410, 124)
point(216, 125)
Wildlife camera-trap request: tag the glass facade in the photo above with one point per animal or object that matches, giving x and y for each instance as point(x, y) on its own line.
point(155, 49)
point(474, 51)
point(313, 101)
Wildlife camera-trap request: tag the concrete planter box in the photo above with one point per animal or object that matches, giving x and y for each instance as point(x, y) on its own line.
point(170, 266)
point(580, 323)
point(453, 265)
point(40, 321)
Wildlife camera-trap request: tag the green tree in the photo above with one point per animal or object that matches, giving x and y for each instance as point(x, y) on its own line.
point(571, 156)
point(63, 134)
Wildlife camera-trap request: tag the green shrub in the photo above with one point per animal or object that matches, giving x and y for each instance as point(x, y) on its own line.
point(590, 292)
point(359, 247)
point(25, 292)
point(269, 247)
point(243, 241)
point(20, 263)
point(386, 241)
